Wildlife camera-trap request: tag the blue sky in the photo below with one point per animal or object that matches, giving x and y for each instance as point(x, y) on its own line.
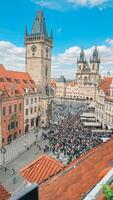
point(75, 24)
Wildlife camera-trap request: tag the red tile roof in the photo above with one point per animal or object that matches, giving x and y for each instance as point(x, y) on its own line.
point(41, 169)
point(80, 176)
point(16, 81)
point(105, 84)
point(71, 83)
point(4, 195)
point(53, 83)
point(109, 99)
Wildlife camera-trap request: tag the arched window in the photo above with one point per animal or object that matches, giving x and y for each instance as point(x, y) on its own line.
point(93, 67)
point(47, 52)
point(85, 79)
point(46, 71)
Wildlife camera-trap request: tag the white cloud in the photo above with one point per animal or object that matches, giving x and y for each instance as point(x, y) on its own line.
point(12, 56)
point(89, 3)
point(65, 63)
point(69, 4)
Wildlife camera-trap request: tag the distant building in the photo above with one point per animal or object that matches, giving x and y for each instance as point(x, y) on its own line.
point(87, 80)
point(60, 87)
point(88, 73)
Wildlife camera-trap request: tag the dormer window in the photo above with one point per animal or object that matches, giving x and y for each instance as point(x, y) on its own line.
point(25, 81)
point(1, 79)
point(17, 80)
point(9, 79)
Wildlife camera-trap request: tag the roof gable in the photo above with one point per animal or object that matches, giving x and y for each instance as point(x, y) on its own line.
point(41, 169)
point(4, 195)
point(80, 176)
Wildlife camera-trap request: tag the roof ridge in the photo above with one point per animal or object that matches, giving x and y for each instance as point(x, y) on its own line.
point(42, 157)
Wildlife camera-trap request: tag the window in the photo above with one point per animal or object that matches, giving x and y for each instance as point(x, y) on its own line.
point(31, 81)
point(25, 81)
point(47, 51)
point(46, 71)
point(4, 111)
point(9, 127)
point(35, 109)
point(16, 124)
point(9, 79)
point(15, 108)
point(10, 109)
point(35, 100)
point(19, 131)
point(31, 110)
point(20, 106)
point(3, 140)
point(1, 79)
point(13, 125)
point(27, 101)
point(26, 111)
point(31, 100)
point(16, 91)
point(17, 80)
point(32, 122)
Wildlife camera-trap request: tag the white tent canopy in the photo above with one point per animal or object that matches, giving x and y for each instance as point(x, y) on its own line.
point(91, 124)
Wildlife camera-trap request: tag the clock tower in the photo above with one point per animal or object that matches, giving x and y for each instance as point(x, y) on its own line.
point(38, 47)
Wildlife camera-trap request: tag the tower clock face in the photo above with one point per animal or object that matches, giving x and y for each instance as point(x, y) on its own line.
point(33, 48)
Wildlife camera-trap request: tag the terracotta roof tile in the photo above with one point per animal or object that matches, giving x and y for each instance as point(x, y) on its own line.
point(80, 176)
point(19, 86)
point(4, 195)
point(105, 84)
point(41, 169)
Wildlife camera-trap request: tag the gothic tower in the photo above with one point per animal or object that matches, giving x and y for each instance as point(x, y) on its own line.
point(38, 53)
point(83, 70)
point(94, 65)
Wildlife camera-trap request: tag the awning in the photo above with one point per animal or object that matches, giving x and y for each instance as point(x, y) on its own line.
point(88, 115)
point(91, 124)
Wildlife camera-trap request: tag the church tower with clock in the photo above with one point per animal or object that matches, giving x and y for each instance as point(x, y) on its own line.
point(38, 47)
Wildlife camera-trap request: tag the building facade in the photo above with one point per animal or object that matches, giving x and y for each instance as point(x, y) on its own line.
point(104, 103)
point(88, 72)
point(31, 112)
point(87, 80)
point(38, 47)
point(18, 93)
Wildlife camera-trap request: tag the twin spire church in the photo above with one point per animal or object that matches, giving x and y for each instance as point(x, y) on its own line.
point(88, 73)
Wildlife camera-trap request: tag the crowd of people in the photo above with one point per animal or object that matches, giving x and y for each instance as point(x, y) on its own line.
point(69, 138)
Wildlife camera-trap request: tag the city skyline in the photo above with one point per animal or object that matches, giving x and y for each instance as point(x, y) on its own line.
point(69, 31)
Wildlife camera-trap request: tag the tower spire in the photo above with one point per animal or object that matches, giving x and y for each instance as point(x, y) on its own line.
point(39, 25)
point(82, 55)
point(26, 30)
point(95, 56)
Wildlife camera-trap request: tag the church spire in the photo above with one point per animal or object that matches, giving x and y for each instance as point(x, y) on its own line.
point(39, 25)
point(82, 56)
point(95, 56)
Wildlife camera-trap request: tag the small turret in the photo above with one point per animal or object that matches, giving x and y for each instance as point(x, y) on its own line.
point(26, 31)
point(51, 35)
